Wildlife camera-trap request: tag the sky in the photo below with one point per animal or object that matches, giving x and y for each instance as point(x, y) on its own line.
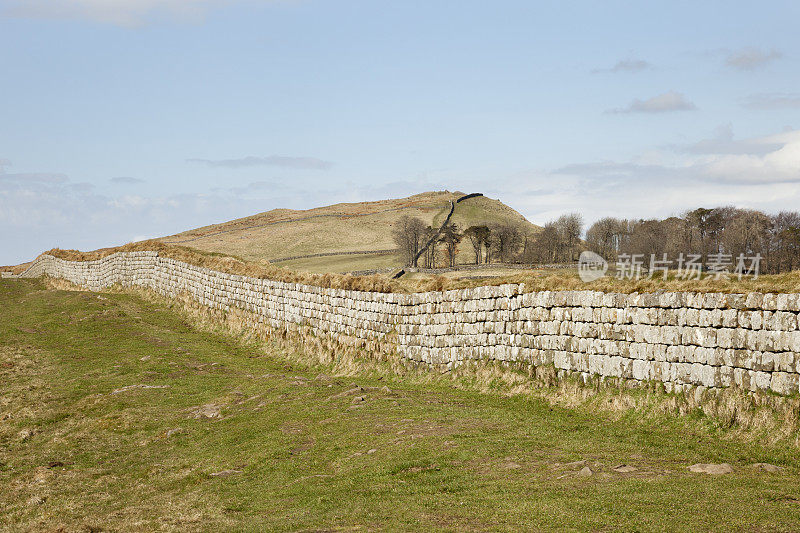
point(128, 119)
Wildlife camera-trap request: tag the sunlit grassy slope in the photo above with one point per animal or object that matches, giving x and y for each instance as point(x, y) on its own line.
point(365, 226)
point(117, 413)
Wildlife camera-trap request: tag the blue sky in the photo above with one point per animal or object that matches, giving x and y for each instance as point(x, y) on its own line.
point(125, 119)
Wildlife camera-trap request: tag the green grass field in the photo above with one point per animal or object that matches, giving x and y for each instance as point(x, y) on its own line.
point(119, 413)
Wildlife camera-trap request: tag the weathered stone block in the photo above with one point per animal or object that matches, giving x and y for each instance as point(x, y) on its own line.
point(784, 383)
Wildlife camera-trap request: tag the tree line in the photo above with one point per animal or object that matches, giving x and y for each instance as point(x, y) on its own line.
point(703, 231)
point(559, 241)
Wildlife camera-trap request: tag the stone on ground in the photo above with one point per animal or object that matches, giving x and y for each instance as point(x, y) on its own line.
point(766, 467)
point(712, 469)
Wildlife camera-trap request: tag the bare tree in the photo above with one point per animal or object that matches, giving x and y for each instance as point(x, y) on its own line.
point(745, 232)
point(505, 242)
point(546, 244)
point(784, 249)
point(647, 237)
point(430, 253)
point(791, 239)
point(569, 229)
point(408, 235)
point(605, 237)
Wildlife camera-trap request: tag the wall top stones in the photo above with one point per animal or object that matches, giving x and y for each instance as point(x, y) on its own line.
point(516, 292)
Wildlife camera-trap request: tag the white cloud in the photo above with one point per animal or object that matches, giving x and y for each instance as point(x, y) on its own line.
point(668, 182)
point(780, 165)
point(751, 58)
point(723, 142)
point(764, 160)
point(662, 103)
point(119, 12)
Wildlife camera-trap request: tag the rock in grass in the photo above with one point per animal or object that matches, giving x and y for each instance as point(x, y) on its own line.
point(766, 467)
point(585, 472)
point(625, 469)
point(208, 411)
point(712, 469)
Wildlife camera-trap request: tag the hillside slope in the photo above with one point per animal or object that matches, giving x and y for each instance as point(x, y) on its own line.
point(337, 231)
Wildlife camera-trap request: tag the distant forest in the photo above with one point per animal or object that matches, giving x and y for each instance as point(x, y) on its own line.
point(721, 230)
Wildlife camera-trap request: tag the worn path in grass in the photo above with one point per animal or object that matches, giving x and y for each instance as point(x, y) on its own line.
point(116, 413)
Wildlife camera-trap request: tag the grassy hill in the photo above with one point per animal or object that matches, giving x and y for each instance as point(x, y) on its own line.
point(120, 413)
point(340, 229)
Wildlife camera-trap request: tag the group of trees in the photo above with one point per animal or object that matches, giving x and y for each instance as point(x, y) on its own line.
point(558, 242)
point(419, 242)
point(498, 243)
point(722, 230)
point(422, 245)
point(702, 231)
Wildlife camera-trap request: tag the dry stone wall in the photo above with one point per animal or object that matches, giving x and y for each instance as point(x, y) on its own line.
point(682, 339)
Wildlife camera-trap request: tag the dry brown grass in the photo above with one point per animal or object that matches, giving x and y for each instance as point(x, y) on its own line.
point(341, 264)
point(260, 269)
point(541, 280)
point(341, 228)
point(345, 227)
point(16, 269)
point(752, 416)
point(234, 265)
point(534, 280)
